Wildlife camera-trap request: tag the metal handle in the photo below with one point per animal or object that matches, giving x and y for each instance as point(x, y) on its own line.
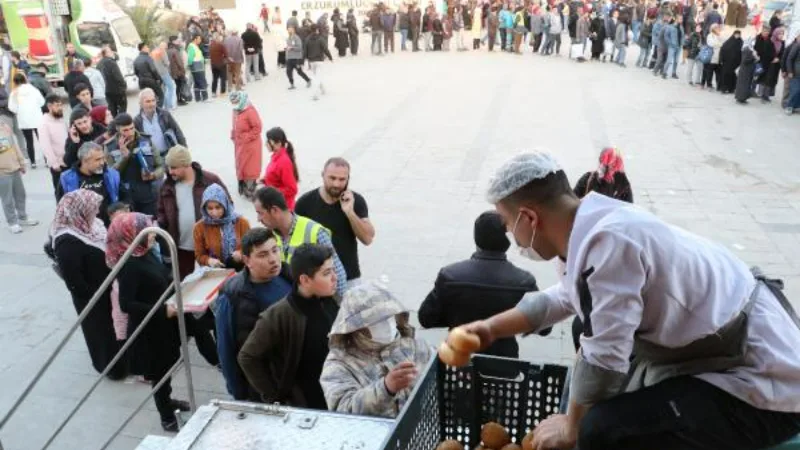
point(173, 251)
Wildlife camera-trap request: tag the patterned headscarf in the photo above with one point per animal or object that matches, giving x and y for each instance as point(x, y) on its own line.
point(227, 222)
point(76, 215)
point(240, 98)
point(122, 232)
point(610, 163)
point(98, 114)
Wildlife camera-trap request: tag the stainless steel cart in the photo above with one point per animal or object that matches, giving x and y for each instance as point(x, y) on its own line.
point(229, 425)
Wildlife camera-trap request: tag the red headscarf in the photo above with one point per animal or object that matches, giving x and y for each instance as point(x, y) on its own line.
point(122, 232)
point(98, 114)
point(610, 163)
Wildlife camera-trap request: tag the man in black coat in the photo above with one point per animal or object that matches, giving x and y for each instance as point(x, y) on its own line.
point(116, 86)
point(73, 78)
point(145, 69)
point(479, 287)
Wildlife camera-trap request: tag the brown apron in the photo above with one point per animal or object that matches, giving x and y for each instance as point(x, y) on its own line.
point(717, 352)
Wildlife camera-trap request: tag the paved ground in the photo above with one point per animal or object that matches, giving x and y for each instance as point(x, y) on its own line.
point(423, 133)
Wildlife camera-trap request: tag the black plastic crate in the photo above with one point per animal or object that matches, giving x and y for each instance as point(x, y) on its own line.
point(453, 403)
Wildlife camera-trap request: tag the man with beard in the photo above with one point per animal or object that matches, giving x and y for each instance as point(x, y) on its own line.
point(179, 203)
point(90, 172)
point(52, 134)
point(81, 129)
point(341, 211)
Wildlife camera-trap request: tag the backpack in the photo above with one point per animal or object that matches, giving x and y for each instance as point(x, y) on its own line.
point(705, 54)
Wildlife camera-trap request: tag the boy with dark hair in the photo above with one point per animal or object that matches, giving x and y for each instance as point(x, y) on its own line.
point(116, 209)
point(283, 356)
point(83, 93)
point(262, 283)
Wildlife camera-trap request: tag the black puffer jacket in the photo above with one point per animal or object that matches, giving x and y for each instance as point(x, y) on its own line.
point(115, 81)
point(145, 69)
point(476, 289)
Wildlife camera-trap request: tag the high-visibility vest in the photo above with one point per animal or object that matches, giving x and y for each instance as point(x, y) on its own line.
point(306, 231)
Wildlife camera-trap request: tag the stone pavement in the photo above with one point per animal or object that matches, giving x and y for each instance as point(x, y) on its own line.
point(423, 133)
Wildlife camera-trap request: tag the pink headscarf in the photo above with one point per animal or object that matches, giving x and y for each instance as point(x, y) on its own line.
point(777, 38)
point(610, 163)
point(76, 215)
point(122, 232)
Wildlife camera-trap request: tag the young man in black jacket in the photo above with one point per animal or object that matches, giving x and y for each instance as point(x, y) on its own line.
point(479, 287)
point(252, 48)
point(81, 130)
point(315, 52)
point(145, 69)
point(116, 86)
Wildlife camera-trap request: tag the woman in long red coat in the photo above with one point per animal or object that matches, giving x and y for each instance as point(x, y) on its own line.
point(246, 137)
point(282, 173)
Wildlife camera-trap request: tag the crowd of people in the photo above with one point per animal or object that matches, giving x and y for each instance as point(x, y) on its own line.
point(296, 324)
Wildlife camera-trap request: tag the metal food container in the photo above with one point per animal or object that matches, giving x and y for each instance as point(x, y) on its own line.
point(231, 425)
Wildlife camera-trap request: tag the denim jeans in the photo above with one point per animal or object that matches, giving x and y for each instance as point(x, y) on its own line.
point(794, 92)
point(377, 45)
point(673, 54)
point(621, 53)
point(403, 38)
point(170, 94)
point(644, 56)
point(635, 27)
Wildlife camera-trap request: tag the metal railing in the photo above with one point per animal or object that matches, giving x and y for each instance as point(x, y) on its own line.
point(183, 359)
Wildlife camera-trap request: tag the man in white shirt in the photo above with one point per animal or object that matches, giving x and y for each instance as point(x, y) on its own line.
point(715, 361)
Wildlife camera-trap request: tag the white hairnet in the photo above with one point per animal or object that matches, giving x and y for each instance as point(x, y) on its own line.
point(519, 171)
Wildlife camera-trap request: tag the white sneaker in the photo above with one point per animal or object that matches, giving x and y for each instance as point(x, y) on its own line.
point(15, 229)
point(29, 222)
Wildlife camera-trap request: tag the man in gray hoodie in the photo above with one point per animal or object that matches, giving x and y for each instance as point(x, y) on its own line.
point(234, 48)
point(294, 58)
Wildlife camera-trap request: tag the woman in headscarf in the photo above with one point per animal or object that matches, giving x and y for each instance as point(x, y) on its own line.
point(352, 31)
point(218, 235)
point(773, 68)
point(79, 244)
point(339, 33)
point(247, 143)
point(608, 179)
point(142, 281)
point(597, 34)
point(747, 69)
point(730, 56)
point(374, 357)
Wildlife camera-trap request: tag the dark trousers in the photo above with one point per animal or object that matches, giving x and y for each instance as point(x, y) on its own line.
point(163, 399)
point(683, 413)
point(117, 103)
point(185, 263)
point(414, 39)
point(56, 176)
point(156, 87)
point(180, 87)
point(492, 37)
point(353, 44)
point(388, 41)
point(710, 71)
point(219, 75)
point(28, 133)
point(503, 34)
point(537, 42)
point(476, 44)
point(200, 329)
point(200, 86)
point(291, 66)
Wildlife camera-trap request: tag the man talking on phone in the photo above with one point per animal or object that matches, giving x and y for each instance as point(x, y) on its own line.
point(341, 211)
point(81, 130)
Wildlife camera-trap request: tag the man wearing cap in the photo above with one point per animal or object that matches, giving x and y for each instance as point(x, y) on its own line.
point(179, 202)
point(715, 362)
point(479, 287)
